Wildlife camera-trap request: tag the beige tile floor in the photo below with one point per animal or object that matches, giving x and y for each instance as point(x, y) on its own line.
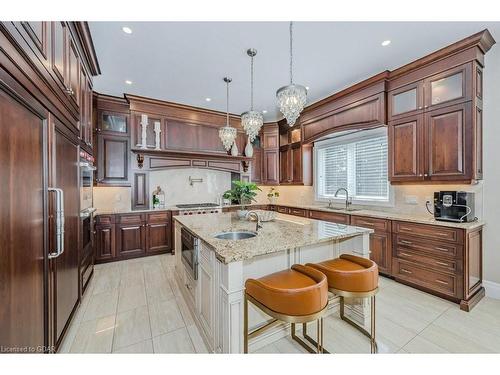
point(134, 307)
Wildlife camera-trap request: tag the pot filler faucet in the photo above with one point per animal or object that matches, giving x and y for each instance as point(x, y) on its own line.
point(347, 202)
point(256, 216)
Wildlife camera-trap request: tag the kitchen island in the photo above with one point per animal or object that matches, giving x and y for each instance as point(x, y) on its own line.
point(213, 282)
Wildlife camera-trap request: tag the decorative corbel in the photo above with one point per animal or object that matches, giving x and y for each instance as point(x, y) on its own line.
point(140, 160)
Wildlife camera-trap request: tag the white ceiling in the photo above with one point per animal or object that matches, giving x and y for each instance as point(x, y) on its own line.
point(185, 62)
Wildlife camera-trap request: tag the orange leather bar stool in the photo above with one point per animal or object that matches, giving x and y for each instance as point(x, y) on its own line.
point(297, 295)
point(352, 277)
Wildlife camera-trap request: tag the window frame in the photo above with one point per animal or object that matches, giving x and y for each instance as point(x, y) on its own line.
point(349, 137)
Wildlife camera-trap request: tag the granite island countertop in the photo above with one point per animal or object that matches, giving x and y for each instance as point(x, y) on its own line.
point(285, 232)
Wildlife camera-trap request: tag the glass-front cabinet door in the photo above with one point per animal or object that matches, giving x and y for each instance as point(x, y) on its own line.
point(405, 101)
point(113, 123)
point(448, 88)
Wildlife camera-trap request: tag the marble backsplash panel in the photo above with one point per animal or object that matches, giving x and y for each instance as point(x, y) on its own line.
point(175, 184)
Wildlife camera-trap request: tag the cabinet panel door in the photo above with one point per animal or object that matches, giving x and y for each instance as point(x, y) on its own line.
point(130, 240)
point(256, 167)
point(105, 242)
point(157, 237)
point(22, 249)
point(207, 302)
point(271, 167)
point(113, 159)
point(406, 162)
point(449, 87)
point(59, 52)
point(37, 32)
point(405, 101)
point(285, 175)
point(296, 163)
point(448, 140)
point(73, 73)
point(66, 274)
point(381, 251)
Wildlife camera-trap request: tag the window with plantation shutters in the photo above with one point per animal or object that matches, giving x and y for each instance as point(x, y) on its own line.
point(357, 162)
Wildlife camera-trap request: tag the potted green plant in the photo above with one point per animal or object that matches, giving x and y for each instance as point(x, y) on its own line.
point(273, 195)
point(242, 193)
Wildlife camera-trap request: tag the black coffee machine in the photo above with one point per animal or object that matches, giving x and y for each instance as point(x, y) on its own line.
point(457, 206)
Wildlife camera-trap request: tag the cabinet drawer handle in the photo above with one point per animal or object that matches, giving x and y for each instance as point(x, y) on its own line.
point(69, 90)
point(442, 249)
point(188, 286)
point(441, 282)
point(442, 263)
point(406, 255)
point(405, 242)
point(406, 271)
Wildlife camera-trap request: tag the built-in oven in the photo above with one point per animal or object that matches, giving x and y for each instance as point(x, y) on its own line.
point(190, 250)
point(86, 180)
point(87, 210)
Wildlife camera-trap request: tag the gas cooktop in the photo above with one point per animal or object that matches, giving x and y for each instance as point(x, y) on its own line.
point(197, 205)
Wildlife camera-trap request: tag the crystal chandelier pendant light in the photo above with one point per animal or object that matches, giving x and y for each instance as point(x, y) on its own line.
point(252, 120)
point(227, 134)
point(292, 98)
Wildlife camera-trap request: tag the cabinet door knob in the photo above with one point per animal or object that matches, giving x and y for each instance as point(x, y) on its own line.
point(69, 90)
point(425, 175)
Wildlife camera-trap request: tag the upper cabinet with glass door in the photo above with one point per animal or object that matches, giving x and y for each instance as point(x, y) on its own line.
point(452, 86)
point(113, 123)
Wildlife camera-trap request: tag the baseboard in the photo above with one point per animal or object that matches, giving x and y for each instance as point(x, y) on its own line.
point(492, 289)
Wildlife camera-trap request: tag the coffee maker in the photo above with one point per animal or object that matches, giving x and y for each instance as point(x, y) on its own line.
point(456, 206)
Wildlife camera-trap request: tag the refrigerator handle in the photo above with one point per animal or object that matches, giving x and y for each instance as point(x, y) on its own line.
point(59, 223)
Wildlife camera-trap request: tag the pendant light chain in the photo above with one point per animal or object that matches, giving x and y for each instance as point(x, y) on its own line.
point(251, 83)
point(291, 52)
point(227, 102)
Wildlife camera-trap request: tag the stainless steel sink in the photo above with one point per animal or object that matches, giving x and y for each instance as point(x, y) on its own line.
point(235, 236)
point(343, 209)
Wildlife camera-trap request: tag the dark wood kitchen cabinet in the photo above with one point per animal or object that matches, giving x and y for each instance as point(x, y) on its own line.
point(105, 248)
point(449, 136)
point(113, 160)
point(40, 115)
point(437, 145)
point(130, 235)
point(406, 149)
point(270, 159)
point(113, 147)
point(124, 236)
point(380, 241)
point(295, 157)
point(158, 232)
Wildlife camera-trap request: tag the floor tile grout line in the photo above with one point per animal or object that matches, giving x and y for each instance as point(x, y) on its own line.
point(147, 307)
point(427, 326)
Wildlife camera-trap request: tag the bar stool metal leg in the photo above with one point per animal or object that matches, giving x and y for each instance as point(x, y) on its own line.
point(371, 334)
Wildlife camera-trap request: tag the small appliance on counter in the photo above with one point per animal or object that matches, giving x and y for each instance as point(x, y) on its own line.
point(456, 206)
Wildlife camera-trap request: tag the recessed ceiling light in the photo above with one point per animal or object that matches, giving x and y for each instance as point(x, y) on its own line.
point(128, 82)
point(127, 30)
point(208, 99)
point(385, 43)
point(307, 88)
point(264, 111)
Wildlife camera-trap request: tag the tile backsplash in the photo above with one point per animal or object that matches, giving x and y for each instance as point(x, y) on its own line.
point(407, 198)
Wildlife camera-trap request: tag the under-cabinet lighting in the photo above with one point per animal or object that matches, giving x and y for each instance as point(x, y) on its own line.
point(385, 43)
point(127, 30)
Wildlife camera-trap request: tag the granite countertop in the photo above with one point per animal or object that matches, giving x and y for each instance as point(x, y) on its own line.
point(414, 218)
point(285, 232)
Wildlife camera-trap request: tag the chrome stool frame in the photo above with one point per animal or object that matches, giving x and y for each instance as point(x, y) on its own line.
point(292, 319)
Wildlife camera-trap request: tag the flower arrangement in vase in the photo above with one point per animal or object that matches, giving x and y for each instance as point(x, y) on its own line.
point(273, 195)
